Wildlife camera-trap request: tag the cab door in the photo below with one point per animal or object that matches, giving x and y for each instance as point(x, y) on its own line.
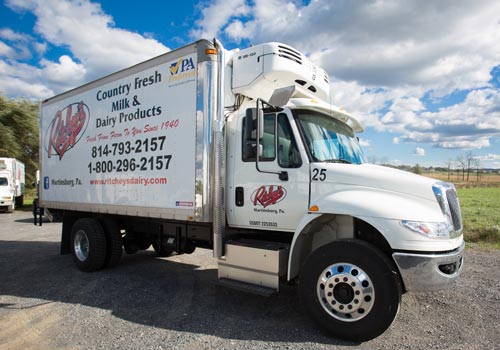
point(276, 195)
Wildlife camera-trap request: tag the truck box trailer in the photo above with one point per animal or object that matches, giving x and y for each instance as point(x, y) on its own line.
point(239, 151)
point(12, 183)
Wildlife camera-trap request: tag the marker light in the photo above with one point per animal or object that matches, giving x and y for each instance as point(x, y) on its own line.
point(211, 51)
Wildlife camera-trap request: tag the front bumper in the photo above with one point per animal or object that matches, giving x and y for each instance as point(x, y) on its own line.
point(429, 272)
point(6, 202)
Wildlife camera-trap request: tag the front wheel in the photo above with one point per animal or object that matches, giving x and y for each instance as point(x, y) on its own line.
point(11, 207)
point(351, 289)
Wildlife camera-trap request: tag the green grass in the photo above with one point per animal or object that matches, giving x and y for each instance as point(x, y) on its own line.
point(481, 215)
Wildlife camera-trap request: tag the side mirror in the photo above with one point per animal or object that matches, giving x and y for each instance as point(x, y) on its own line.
point(260, 123)
point(251, 124)
point(251, 150)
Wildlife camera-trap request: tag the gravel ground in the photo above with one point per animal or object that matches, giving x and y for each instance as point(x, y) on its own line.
point(174, 303)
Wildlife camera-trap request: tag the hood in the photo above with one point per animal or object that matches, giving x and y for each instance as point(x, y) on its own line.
point(380, 177)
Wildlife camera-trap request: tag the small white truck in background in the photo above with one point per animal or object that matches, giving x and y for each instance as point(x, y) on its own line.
point(241, 152)
point(12, 184)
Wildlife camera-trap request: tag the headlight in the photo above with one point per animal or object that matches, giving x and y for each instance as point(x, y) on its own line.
point(429, 229)
point(451, 226)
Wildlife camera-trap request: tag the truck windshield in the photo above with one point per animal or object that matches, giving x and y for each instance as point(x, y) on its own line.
point(328, 139)
point(3, 181)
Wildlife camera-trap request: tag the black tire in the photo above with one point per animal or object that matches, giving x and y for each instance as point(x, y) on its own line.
point(10, 208)
point(350, 289)
point(144, 244)
point(20, 201)
point(114, 243)
point(160, 250)
point(88, 244)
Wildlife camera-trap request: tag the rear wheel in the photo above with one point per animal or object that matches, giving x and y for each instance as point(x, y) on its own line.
point(351, 289)
point(88, 244)
point(160, 249)
point(113, 243)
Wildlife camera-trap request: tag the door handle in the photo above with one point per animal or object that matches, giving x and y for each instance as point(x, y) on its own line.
point(239, 197)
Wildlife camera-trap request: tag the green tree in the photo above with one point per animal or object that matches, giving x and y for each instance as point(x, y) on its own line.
point(418, 169)
point(19, 133)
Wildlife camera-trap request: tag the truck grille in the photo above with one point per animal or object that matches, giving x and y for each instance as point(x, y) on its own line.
point(456, 216)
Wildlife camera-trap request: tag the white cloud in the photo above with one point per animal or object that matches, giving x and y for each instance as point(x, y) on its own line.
point(22, 80)
point(419, 152)
point(91, 35)
point(216, 16)
point(6, 50)
point(488, 157)
point(365, 142)
point(18, 44)
point(19, 87)
point(237, 30)
point(65, 74)
point(9, 34)
point(97, 47)
point(390, 44)
point(40, 48)
point(385, 58)
point(464, 143)
point(467, 125)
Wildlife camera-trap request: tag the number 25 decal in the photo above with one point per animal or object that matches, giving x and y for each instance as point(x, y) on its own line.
point(319, 174)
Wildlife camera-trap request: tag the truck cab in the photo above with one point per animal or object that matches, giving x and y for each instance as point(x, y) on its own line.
point(12, 183)
point(6, 192)
point(297, 168)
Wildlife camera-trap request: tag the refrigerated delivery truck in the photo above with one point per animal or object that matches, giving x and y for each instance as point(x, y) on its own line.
point(12, 184)
point(240, 151)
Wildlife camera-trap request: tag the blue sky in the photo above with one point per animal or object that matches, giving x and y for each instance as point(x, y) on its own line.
point(423, 77)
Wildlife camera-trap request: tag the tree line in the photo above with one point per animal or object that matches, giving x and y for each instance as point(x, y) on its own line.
point(466, 163)
point(19, 135)
point(462, 166)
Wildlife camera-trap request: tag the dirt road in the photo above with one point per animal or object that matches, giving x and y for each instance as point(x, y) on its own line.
point(173, 303)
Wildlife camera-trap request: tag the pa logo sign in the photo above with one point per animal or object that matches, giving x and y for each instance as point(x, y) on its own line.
point(181, 66)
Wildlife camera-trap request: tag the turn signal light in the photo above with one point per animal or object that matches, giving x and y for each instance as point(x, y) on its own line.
point(314, 208)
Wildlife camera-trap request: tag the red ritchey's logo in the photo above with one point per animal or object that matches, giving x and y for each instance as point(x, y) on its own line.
point(66, 129)
point(268, 195)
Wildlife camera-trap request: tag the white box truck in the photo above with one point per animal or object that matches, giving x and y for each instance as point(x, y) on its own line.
point(12, 184)
point(240, 152)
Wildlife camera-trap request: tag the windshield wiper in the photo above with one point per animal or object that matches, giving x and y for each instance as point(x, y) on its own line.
point(339, 160)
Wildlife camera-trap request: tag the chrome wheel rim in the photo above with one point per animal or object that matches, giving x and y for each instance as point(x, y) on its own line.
point(345, 292)
point(81, 245)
